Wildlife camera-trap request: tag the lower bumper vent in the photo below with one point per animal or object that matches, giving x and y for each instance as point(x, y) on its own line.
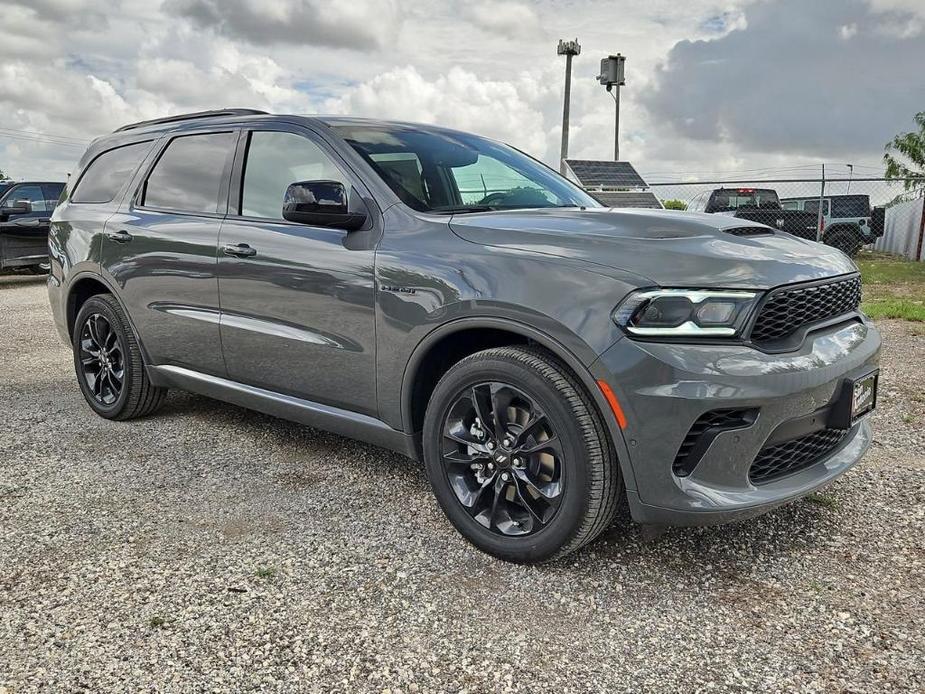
point(782, 459)
point(707, 427)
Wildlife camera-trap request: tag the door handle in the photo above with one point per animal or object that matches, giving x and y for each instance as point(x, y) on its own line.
point(239, 250)
point(119, 236)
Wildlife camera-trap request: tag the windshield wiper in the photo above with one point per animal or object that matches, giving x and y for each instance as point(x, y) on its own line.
point(463, 208)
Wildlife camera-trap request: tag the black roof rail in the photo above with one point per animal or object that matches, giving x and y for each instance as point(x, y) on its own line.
point(192, 116)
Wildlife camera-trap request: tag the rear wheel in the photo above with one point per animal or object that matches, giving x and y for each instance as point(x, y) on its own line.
point(518, 457)
point(845, 238)
point(109, 364)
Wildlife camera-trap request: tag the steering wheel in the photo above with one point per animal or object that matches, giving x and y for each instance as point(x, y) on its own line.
point(493, 198)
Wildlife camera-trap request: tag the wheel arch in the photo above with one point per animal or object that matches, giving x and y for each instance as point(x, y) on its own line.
point(420, 379)
point(87, 285)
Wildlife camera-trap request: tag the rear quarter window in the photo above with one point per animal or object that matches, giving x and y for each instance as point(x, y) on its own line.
point(106, 174)
point(851, 206)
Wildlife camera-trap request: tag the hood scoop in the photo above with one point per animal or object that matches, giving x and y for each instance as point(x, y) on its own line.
point(749, 231)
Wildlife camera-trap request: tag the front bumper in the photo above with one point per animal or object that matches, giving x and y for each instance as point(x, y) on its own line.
point(664, 388)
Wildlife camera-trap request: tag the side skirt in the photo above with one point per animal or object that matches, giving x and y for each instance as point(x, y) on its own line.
point(333, 419)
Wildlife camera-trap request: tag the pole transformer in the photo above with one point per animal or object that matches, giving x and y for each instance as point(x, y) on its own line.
point(612, 75)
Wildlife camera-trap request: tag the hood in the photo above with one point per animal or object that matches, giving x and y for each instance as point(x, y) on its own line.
point(669, 248)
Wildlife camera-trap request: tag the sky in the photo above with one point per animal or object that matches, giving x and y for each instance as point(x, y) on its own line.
point(712, 86)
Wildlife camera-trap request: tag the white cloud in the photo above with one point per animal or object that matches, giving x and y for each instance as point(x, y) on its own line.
point(504, 18)
point(459, 99)
point(356, 24)
point(847, 31)
point(78, 68)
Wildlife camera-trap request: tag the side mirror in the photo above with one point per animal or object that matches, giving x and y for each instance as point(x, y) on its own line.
point(18, 207)
point(322, 204)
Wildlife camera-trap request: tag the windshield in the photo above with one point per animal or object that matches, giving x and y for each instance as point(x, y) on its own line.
point(433, 171)
point(733, 199)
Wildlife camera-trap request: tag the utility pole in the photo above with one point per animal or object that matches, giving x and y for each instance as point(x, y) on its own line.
point(820, 226)
point(569, 49)
point(612, 75)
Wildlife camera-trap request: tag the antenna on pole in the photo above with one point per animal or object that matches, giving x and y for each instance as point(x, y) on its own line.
point(569, 49)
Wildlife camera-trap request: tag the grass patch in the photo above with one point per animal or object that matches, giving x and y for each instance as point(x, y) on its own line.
point(265, 572)
point(904, 309)
point(893, 287)
point(825, 501)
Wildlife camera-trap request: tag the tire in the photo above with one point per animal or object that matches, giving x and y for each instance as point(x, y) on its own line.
point(575, 456)
point(122, 364)
point(846, 239)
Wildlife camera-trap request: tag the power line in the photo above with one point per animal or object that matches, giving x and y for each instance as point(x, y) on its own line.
point(40, 140)
point(52, 136)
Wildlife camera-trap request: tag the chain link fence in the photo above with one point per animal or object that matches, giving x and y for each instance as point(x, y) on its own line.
point(848, 213)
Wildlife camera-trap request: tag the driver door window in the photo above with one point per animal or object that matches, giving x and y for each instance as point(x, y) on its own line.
point(274, 161)
point(32, 194)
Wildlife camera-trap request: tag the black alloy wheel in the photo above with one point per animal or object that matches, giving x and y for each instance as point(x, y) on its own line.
point(102, 358)
point(518, 456)
point(109, 364)
point(503, 459)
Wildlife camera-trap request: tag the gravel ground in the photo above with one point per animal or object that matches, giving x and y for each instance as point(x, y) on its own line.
point(209, 548)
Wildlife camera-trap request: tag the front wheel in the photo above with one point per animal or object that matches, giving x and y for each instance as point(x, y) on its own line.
point(108, 362)
point(518, 457)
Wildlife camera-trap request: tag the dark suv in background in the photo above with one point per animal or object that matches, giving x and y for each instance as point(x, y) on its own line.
point(25, 212)
point(448, 297)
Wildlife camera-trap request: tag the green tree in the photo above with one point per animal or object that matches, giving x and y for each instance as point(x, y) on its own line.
point(674, 204)
point(905, 155)
point(3, 175)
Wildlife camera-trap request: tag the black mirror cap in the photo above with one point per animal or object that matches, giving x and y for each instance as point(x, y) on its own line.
point(321, 203)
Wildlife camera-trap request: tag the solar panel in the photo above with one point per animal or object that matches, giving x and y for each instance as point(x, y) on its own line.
point(628, 198)
point(605, 174)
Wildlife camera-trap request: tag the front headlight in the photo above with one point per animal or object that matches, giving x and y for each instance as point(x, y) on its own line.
point(685, 312)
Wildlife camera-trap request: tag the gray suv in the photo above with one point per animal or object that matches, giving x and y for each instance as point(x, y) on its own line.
point(448, 297)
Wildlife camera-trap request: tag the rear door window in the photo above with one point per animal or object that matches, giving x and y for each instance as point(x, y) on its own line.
point(189, 175)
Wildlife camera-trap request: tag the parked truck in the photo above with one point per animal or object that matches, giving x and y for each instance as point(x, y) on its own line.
point(797, 216)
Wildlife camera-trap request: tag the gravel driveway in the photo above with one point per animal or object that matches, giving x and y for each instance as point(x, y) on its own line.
point(208, 548)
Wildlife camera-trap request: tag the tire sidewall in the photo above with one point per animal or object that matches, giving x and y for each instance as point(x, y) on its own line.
point(567, 521)
point(97, 305)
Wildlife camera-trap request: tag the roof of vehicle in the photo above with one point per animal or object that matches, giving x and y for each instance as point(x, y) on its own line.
point(232, 115)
